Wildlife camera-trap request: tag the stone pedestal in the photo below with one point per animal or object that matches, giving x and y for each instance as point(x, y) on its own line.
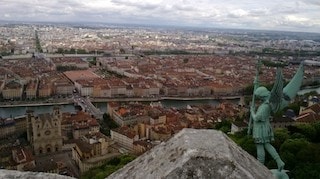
point(194, 153)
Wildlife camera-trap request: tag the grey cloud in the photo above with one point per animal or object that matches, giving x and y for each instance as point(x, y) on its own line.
point(286, 11)
point(232, 15)
point(238, 13)
point(34, 10)
point(227, 13)
point(139, 5)
point(72, 3)
point(259, 12)
point(311, 2)
point(182, 7)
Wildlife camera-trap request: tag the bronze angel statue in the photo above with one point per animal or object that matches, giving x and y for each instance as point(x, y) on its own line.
point(271, 102)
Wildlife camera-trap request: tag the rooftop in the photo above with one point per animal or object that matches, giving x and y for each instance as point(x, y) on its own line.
point(80, 75)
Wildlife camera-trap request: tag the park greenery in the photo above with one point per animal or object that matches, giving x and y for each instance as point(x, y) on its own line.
point(38, 46)
point(63, 68)
point(284, 53)
point(108, 167)
point(77, 51)
point(173, 52)
point(107, 124)
point(5, 53)
point(71, 51)
point(92, 61)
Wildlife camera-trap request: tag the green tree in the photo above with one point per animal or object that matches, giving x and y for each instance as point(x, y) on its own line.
point(93, 60)
point(100, 175)
point(108, 167)
point(309, 154)
point(309, 170)
point(280, 136)
point(106, 124)
point(60, 50)
point(224, 126)
point(297, 135)
point(317, 129)
point(81, 51)
point(72, 51)
point(110, 123)
point(248, 145)
point(289, 150)
point(38, 45)
point(309, 131)
point(114, 161)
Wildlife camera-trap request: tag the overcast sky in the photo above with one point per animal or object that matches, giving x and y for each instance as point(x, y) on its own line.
point(292, 15)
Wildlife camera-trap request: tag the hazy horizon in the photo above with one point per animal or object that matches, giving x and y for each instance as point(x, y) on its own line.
point(276, 15)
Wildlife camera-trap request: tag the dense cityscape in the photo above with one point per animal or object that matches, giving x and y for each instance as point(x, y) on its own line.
point(133, 70)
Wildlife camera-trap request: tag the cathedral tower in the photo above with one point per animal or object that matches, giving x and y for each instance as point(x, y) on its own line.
point(44, 131)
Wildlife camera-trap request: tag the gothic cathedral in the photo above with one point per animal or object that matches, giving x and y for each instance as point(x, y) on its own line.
point(44, 131)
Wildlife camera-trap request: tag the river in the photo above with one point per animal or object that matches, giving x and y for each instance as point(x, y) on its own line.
point(304, 91)
point(19, 111)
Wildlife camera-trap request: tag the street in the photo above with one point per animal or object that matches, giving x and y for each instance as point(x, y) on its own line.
point(65, 158)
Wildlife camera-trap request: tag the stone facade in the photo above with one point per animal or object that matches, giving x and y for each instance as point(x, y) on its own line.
point(91, 151)
point(44, 131)
point(124, 136)
point(12, 90)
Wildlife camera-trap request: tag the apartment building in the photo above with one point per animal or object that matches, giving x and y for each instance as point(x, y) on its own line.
point(84, 87)
point(74, 126)
point(31, 89)
point(124, 136)
point(12, 90)
point(91, 150)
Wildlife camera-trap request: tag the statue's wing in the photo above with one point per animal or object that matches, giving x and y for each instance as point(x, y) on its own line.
point(292, 88)
point(276, 94)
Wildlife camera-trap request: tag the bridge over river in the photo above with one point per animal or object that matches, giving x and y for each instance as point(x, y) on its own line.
point(88, 107)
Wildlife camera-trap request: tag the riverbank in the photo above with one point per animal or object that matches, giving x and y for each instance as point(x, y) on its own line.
point(100, 100)
point(34, 104)
point(164, 98)
point(308, 90)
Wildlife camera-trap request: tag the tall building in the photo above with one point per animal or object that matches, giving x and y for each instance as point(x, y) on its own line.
point(44, 131)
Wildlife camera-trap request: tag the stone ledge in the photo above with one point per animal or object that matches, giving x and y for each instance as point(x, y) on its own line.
point(14, 174)
point(194, 153)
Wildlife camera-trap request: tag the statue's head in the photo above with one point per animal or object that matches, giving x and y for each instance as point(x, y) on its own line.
point(262, 92)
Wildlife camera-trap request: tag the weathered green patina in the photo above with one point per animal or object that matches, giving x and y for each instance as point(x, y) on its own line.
point(271, 102)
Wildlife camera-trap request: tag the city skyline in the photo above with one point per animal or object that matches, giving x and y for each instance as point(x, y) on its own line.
point(249, 14)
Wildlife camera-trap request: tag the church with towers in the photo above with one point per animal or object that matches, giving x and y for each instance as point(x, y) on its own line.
point(44, 131)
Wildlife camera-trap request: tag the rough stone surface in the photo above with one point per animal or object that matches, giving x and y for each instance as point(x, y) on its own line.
point(194, 153)
point(14, 174)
